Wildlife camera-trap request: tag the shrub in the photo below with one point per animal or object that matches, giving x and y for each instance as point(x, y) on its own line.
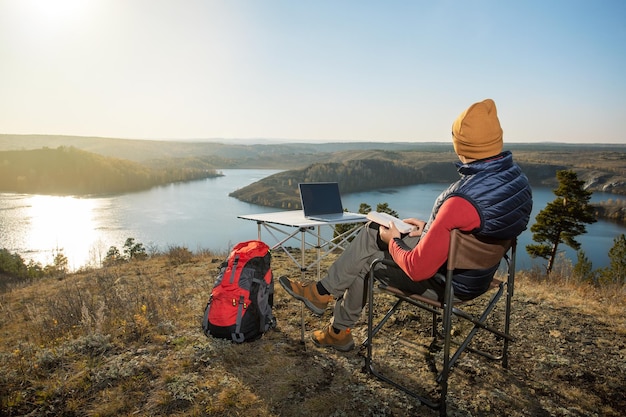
point(13, 265)
point(179, 255)
point(132, 251)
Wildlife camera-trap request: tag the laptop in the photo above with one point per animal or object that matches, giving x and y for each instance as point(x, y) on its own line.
point(322, 201)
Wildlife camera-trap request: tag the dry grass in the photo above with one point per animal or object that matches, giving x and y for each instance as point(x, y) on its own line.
point(126, 340)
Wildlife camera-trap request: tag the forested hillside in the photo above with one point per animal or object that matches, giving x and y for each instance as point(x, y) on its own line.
point(281, 190)
point(67, 170)
point(384, 169)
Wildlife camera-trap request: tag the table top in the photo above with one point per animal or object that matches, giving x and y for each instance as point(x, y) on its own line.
point(295, 218)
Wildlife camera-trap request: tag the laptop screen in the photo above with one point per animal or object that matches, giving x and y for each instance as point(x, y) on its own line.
point(320, 198)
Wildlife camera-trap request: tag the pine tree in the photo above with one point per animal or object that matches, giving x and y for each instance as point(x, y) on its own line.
point(583, 269)
point(384, 208)
point(563, 219)
point(616, 272)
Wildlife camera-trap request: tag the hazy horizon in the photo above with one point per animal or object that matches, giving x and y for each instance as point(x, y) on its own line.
point(262, 141)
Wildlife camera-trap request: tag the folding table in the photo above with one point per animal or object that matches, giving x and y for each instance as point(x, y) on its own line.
point(284, 226)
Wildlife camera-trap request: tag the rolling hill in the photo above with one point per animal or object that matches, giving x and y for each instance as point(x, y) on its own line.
point(67, 170)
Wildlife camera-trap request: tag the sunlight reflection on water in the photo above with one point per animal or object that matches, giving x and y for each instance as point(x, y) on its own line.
point(58, 223)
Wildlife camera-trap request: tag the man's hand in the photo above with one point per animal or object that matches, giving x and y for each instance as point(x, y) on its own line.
point(389, 233)
point(419, 226)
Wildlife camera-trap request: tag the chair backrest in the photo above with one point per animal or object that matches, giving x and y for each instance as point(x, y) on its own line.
point(468, 251)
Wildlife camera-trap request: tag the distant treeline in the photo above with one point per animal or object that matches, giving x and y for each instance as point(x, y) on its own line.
point(281, 190)
point(67, 170)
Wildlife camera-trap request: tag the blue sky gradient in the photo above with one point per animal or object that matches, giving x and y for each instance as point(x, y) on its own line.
point(312, 70)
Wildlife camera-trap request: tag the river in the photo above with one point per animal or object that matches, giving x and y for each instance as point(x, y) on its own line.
point(200, 215)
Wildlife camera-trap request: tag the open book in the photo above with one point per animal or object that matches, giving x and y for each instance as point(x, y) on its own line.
point(383, 219)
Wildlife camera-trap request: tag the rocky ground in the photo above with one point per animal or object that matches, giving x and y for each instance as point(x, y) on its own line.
point(126, 340)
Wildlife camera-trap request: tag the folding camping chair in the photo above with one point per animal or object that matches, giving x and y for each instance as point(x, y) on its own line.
point(466, 251)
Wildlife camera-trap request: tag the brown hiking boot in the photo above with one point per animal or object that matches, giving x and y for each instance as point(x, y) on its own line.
point(307, 293)
point(341, 341)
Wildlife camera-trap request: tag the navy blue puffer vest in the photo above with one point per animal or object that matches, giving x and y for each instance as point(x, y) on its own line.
point(500, 192)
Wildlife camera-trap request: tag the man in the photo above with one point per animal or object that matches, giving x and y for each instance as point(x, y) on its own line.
point(491, 199)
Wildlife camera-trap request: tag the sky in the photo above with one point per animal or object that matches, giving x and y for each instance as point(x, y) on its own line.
point(327, 70)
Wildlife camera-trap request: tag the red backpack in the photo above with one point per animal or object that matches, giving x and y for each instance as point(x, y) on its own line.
point(240, 305)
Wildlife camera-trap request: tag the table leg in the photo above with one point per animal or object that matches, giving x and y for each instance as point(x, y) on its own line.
point(303, 271)
point(319, 252)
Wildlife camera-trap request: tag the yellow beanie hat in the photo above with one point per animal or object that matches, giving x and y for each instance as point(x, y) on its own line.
point(476, 133)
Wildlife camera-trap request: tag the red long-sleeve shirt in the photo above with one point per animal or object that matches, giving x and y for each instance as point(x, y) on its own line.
point(432, 250)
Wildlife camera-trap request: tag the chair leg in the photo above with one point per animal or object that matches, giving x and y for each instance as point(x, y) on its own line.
point(434, 326)
point(477, 326)
point(447, 341)
point(510, 285)
point(507, 323)
point(381, 323)
point(371, 332)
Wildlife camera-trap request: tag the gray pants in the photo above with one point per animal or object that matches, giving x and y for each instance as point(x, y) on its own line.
point(348, 274)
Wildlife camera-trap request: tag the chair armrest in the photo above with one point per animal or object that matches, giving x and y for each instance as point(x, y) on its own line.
point(384, 261)
point(369, 284)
